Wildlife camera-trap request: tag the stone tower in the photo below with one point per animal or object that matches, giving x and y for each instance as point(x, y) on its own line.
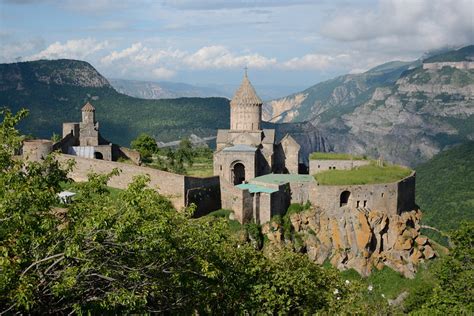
point(88, 114)
point(245, 108)
point(89, 128)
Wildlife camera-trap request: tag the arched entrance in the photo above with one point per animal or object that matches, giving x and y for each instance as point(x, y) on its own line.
point(98, 155)
point(344, 198)
point(238, 173)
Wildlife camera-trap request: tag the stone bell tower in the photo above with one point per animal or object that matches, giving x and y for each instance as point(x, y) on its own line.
point(89, 128)
point(245, 108)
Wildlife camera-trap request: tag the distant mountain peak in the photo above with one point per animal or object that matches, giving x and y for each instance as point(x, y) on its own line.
point(61, 72)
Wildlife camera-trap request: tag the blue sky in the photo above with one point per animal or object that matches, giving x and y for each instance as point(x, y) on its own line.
point(283, 42)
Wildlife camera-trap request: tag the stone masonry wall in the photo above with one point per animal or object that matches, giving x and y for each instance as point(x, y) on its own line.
point(390, 198)
point(167, 184)
point(316, 166)
point(205, 193)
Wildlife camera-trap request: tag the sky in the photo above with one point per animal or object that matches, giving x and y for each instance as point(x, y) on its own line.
point(282, 42)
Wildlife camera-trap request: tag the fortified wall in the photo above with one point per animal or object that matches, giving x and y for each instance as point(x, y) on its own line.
point(320, 165)
point(181, 190)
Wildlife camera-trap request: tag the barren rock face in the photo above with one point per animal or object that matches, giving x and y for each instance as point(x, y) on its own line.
point(359, 240)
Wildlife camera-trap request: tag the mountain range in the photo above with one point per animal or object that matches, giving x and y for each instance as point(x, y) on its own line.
point(167, 90)
point(399, 110)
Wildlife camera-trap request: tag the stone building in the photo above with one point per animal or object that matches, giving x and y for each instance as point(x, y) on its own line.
point(83, 139)
point(246, 151)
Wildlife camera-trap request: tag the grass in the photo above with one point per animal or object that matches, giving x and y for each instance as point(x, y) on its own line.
point(389, 282)
point(202, 167)
point(369, 174)
point(334, 156)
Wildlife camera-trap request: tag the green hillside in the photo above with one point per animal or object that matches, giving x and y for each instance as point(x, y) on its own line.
point(445, 187)
point(55, 91)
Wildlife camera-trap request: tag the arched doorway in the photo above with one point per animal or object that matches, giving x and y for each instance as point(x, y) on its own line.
point(98, 155)
point(344, 198)
point(238, 173)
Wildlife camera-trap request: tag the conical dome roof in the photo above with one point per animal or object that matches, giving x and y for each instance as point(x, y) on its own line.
point(88, 108)
point(246, 94)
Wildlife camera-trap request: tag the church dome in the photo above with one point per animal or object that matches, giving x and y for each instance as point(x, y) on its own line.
point(88, 108)
point(246, 94)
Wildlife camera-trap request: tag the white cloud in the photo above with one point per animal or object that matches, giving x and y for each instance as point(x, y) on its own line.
point(75, 49)
point(168, 61)
point(220, 57)
point(163, 73)
point(407, 24)
point(316, 61)
point(127, 52)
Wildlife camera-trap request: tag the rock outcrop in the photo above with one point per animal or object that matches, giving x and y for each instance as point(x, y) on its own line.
point(362, 240)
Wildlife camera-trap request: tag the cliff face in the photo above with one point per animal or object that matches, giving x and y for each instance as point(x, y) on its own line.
point(355, 239)
point(398, 110)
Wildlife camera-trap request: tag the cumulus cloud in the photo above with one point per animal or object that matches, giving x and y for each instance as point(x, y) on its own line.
point(315, 61)
point(221, 57)
point(163, 73)
point(74, 49)
point(420, 24)
point(208, 57)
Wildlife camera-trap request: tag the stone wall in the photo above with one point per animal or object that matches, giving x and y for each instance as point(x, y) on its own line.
point(168, 184)
point(125, 153)
point(316, 166)
point(63, 145)
point(37, 149)
point(237, 200)
point(459, 65)
point(390, 198)
point(225, 160)
point(181, 190)
point(205, 193)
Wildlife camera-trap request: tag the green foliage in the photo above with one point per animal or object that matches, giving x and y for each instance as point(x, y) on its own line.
point(145, 145)
point(334, 156)
point(185, 159)
point(363, 175)
point(444, 187)
point(453, 293)
point(220, 213)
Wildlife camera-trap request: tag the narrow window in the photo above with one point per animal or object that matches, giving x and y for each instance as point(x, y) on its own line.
point(319, 166)
point(365, 203)
point(358, 204)
point(382, 194)
point(220, 167)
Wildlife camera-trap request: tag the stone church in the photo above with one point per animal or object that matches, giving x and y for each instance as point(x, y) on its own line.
point(246, 151)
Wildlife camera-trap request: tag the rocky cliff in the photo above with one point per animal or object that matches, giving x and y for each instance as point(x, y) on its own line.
point(354, 239)
point(398, 110)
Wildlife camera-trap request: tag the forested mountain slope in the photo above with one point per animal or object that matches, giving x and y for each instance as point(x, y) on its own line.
point(445, 187)
point(54, 92)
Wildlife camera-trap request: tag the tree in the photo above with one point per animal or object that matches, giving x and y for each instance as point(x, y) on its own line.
point(145, 145)
point(134, 253)
point(454, 293)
